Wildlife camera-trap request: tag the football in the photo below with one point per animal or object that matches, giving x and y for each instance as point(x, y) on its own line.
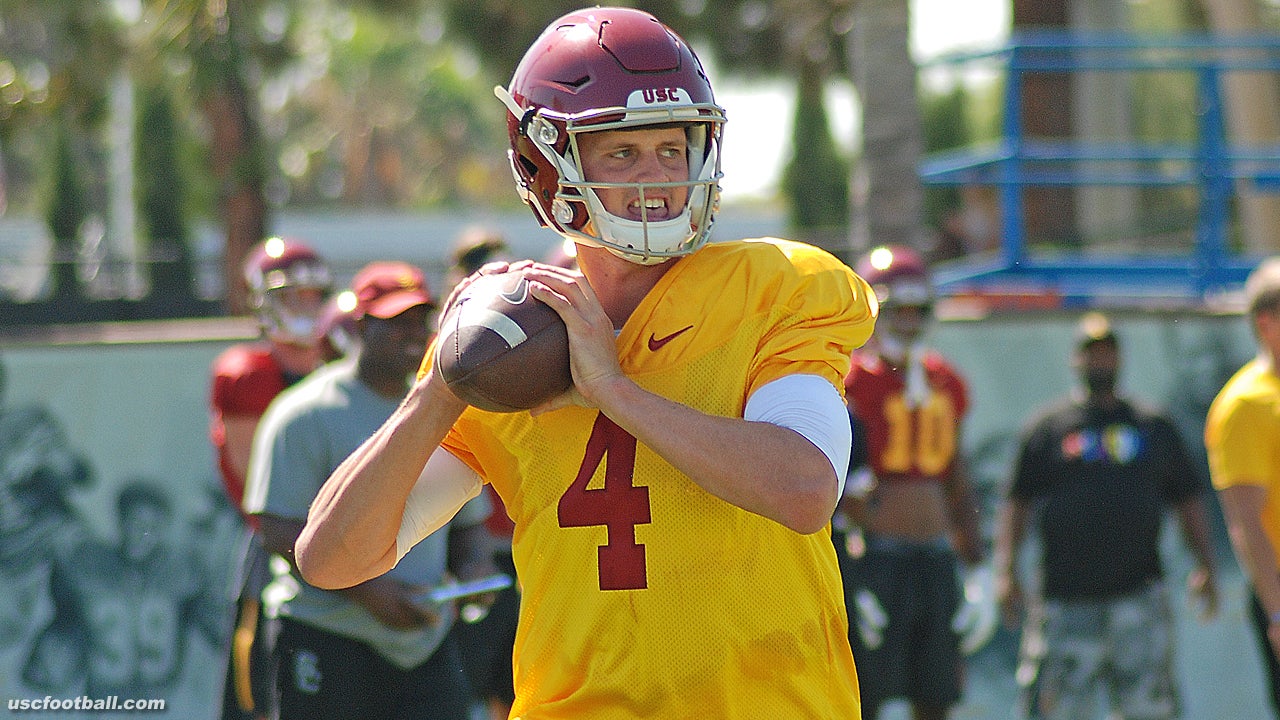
point(501, 349)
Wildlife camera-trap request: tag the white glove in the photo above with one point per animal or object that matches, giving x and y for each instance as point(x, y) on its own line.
point(870, 618)
point(978, 616)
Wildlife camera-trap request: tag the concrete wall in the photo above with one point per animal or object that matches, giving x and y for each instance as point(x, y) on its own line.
point(129, 412)
point(133, 405)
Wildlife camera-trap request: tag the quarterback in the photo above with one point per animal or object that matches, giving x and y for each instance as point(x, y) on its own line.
point(672, 510)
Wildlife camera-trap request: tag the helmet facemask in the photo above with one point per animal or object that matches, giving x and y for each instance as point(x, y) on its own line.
point(291, 314)
point(288, 295)
point(577, 212)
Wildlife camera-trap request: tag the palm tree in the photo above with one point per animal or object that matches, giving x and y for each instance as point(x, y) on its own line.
point(888, 197)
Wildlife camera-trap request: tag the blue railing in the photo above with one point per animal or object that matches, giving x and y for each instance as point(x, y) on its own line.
point(1211, 164)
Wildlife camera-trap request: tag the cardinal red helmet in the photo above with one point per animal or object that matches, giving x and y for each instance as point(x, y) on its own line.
point(611, 69)
point(275, 271)
point(898, 275)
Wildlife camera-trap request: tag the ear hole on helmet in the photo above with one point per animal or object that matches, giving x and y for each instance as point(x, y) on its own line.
point(528, 166)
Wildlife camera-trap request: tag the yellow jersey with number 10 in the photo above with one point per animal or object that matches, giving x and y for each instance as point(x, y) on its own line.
point(643, 595)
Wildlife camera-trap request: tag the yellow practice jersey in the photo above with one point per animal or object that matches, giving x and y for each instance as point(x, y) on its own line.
point(1242, 435)
point(643, 595)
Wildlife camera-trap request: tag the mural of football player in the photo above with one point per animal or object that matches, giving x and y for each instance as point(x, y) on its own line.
point(123, 613)
point(39, 471)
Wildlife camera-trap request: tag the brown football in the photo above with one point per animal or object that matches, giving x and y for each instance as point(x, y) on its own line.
point(500, 349)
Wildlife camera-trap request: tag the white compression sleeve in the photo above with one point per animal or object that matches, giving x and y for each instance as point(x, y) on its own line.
point(812, 407)
point(443, 487)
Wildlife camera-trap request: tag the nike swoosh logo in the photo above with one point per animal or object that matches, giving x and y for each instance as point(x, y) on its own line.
point(517, 294)
point(655, 344)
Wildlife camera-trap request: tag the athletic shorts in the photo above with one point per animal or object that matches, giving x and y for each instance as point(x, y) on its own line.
point(1076, 651)
point(918, 588)
point(487, 645)
point(323, 676)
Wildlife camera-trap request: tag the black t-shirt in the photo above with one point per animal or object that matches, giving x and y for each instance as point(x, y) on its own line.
point(1099, 481)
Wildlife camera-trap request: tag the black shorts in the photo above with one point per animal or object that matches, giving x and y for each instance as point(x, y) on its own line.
point(918, 587)
point(487, 645)
point(322, 676)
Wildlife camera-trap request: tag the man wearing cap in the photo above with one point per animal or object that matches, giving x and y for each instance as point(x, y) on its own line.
point(1098, 471)
point(376, 649)
point(1242, 435)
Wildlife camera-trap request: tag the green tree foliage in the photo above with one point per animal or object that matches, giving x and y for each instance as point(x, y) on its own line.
point(162, 196)
point(945, 126)
point(66, 208)
point(816, 179)
point(55, 60)
point(400, 116)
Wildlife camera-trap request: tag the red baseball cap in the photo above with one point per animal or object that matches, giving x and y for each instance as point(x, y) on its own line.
point(384, 289)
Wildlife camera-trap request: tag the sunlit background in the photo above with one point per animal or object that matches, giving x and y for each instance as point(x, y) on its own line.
point(759, 130)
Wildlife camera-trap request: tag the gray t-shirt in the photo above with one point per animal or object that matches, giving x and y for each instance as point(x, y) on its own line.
point(305, 434)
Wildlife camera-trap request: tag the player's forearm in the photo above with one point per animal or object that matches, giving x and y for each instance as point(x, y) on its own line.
point(962, 508)
point(1195, 528)
point(1257, 557)
point(1011, 520)
point(350, 535)
point(1242, 505)
point(760, 467)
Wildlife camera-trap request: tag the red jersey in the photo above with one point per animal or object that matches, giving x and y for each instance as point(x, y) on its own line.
point(905, 442)
point(246, 378)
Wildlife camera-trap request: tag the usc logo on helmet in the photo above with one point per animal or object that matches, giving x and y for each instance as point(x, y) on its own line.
point(659, 96)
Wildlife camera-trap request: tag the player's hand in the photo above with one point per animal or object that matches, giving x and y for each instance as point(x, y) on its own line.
point(1203, 589)
point(870, 618)
point(593, 349)
point(394, 603)
point(976, 619)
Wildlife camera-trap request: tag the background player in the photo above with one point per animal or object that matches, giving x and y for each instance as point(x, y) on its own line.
point(475, 246)
point(288, 286)
point(698, 459)
point(915, 508)
point(374, 650)
point(1242, 434)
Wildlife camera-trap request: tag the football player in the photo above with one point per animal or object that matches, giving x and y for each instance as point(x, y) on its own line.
point(672, 510)
point(914, 506)
point(288, 285)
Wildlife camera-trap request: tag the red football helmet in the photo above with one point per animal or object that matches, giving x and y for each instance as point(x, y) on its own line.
point(288, 284)
point(336, 326)
point(898, 275)
point(611, 69)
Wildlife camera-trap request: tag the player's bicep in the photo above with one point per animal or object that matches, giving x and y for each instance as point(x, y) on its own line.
point(812, 407)
point(443, 487)
point(1242, 504)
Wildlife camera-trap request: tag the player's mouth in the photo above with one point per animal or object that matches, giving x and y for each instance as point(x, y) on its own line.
point(652, 209)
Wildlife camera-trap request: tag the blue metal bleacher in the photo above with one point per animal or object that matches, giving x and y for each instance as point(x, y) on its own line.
point(1212, 165)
